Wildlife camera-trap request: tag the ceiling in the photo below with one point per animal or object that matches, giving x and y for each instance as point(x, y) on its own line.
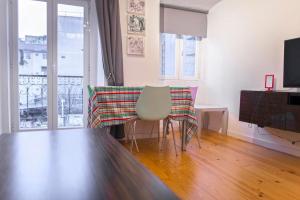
point(202, 5)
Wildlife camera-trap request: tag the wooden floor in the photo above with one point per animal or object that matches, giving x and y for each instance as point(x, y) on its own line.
point(225, 168)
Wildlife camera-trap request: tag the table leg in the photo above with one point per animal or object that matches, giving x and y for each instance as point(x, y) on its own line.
point(199, 120)
point(225, 122)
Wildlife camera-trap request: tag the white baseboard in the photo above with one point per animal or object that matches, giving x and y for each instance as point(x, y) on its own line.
point(281, 147)
point(143, 132)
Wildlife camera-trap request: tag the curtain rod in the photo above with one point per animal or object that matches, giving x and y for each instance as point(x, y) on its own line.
point(183, 8)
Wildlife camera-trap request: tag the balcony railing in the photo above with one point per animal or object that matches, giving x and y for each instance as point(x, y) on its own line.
point(33, 102)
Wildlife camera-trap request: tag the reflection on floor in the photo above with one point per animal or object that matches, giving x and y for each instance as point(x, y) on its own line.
point(225, 168)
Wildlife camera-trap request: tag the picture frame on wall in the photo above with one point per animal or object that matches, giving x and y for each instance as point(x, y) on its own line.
point(135, 45)
point(136, 7)
point(136, 24)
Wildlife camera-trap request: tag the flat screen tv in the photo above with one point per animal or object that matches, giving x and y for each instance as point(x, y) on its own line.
point(292, 63)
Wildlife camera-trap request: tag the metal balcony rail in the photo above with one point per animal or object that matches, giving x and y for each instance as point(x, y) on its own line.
point(33, 101)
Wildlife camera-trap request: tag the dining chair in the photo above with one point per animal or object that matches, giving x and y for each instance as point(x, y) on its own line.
point(154, 104)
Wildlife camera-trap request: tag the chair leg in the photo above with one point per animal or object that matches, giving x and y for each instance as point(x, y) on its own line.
point(165, 124)
point(158, 131)
point(198, 139)
point(180, 129)
point(133, 138)
point(173, 137)
point(152, 129)
point(180, 125)
point(127, 131)
point(132, 130)
point(163, 134)
point(136, 145)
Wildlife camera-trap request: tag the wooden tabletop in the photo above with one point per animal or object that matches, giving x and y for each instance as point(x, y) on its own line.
point(73, 164)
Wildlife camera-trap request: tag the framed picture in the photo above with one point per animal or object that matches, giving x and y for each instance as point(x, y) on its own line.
point(136, 24)
point(269, 82)
point(136, 6)
point(135, 45)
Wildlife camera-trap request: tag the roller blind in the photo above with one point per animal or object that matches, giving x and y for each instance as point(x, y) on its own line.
point(183, 22)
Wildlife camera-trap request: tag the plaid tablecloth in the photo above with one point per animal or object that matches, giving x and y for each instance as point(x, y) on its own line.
point(115, 105)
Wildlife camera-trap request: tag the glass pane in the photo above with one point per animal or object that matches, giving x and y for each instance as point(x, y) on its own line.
point(70, 65)
point(168, 51)
point(32, 59)
point(189, 58)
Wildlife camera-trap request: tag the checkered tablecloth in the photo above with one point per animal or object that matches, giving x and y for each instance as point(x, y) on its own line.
point(115, 105)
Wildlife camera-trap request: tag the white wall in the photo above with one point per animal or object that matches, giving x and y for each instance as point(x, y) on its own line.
point(245, 42)
point(142, 70)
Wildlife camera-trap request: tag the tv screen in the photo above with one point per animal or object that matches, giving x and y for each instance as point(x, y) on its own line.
point(292, 63)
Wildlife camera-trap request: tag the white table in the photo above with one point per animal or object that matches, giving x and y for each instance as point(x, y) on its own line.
point(201, 109)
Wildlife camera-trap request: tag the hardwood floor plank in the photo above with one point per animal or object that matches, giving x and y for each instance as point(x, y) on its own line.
point(225, 168)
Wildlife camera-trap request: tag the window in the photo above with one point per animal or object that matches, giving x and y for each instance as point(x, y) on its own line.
point(28, 56)
point(50, 97)
point(168, 55)
point(179, 56)
point(44, 70)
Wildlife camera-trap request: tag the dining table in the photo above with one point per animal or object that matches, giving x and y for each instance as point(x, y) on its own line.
point(79, 164)
point(115, 105)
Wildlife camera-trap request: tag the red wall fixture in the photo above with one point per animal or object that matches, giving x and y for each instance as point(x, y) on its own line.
point(269, 82)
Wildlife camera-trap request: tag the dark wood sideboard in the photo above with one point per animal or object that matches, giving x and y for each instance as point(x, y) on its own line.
point(280, 110)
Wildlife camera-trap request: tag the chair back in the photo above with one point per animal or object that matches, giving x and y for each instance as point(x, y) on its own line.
point(154, 103)
point(194, 93)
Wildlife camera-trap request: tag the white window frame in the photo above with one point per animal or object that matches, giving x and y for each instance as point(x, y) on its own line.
point(179, 61)
point(51, 62)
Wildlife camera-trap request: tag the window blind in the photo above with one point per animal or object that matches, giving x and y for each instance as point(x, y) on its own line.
point(183, 22)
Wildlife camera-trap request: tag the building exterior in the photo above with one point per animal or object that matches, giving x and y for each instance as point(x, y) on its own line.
point(33, 76)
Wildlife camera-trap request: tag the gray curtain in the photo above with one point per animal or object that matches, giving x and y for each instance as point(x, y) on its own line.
point(111, 42)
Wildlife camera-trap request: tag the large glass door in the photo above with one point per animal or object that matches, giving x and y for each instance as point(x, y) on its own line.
point(32, 64)
point(70, 65)
point(52, 51)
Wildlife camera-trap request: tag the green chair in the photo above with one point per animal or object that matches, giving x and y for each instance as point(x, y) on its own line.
point(154, 104)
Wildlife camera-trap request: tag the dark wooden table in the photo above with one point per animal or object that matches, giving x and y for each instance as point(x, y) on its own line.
point(73, 164)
